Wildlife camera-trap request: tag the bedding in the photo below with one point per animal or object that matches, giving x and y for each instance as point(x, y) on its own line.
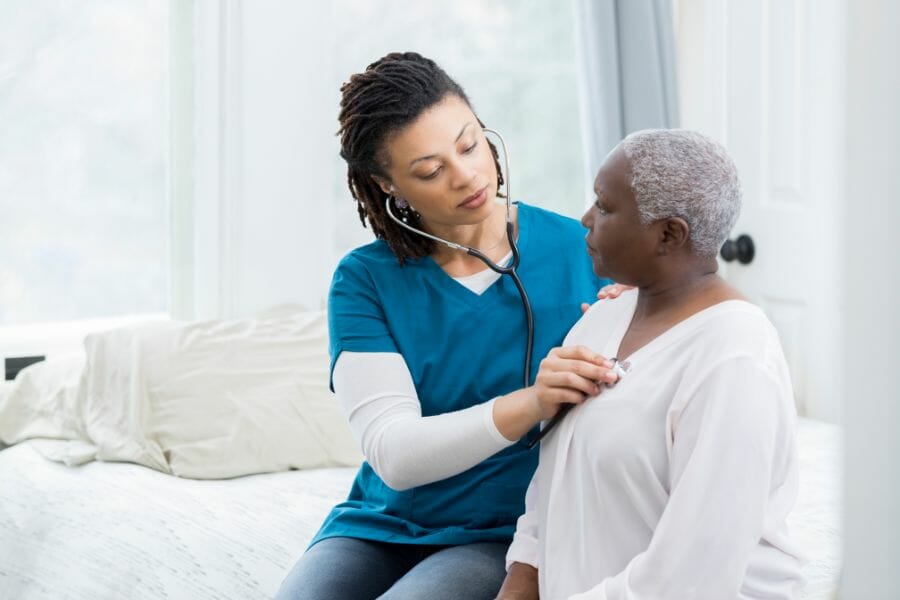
point(118, 530)
point(206, 400)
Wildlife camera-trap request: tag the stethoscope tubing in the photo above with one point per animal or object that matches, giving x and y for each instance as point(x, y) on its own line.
point(507, 270)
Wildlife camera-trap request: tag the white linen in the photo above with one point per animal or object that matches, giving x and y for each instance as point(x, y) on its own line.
point(118, 530)
point(105, 531)
point(376, 392)
point(676, 483)
point(43, 401)
point(212, 399)
point(816, 522)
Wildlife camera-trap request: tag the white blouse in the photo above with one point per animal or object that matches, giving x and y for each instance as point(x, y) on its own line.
point(676, 482)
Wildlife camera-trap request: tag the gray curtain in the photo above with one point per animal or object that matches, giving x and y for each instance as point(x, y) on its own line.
point(627, 62)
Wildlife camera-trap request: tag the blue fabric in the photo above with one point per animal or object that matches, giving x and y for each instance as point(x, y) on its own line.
point(346, 568)
point(462, 349)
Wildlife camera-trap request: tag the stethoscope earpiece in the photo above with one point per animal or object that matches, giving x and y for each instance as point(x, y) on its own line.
point(509, 270)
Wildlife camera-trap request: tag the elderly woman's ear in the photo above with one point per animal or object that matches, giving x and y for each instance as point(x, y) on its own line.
point(674, 235)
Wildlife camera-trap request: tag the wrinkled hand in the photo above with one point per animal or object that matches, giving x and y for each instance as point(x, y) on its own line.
point(569, 375)
point(608, 292)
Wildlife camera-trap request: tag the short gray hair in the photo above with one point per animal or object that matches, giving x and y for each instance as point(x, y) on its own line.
point(681, 173)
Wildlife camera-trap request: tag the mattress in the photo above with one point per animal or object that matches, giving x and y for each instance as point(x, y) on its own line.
point(117, 530)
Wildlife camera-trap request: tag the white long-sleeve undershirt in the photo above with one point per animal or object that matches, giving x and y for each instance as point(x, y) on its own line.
point(376, 393)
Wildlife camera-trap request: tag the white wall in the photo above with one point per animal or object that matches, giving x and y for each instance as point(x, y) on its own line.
point(765, 78)
point(260, 216)
point(863, 274)
point(871, 297)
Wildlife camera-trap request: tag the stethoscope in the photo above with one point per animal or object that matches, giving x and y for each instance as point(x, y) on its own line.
point(508, 270)
point(511, 271)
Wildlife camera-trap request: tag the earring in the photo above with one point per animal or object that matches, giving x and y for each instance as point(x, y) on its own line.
point(403, 207)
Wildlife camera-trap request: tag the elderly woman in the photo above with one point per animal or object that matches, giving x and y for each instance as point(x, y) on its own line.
point(675, 482)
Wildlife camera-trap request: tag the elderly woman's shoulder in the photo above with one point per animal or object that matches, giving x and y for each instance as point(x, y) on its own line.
point(737, 326)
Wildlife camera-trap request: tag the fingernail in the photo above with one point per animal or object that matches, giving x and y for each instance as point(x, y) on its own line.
point(607, 363)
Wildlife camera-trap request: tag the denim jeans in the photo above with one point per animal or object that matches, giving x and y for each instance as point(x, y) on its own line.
point(352, 569)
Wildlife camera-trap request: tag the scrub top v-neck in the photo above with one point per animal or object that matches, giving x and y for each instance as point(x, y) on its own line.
point(464, 294)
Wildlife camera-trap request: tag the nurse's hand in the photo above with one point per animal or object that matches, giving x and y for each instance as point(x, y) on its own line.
point(569, 375)
point(613, 291)
point(608, 292)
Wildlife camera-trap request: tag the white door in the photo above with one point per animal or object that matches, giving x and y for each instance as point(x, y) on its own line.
point(764, 77)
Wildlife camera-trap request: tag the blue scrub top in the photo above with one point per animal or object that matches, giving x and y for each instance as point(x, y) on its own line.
point(462, 349)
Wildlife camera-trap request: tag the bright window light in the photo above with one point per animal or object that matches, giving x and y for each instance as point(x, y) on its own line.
point(83, 214)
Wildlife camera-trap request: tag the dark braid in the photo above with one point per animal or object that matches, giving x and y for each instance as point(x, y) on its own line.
point(390, 94)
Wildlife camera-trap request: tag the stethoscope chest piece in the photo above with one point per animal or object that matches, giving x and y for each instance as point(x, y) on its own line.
point(620, 368)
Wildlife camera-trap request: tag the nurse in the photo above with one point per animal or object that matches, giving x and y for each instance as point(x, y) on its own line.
point(427, 347)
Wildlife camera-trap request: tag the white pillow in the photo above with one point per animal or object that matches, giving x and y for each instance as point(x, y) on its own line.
point(43, 401)
point(214, 399)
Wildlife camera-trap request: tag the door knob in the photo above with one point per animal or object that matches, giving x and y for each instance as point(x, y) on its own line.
point(741, 249)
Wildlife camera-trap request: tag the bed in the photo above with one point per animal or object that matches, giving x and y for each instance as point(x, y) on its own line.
point(119, 530)
point(183, 523)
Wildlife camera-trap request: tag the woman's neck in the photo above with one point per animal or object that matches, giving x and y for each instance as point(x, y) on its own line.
point(683, 291)
point(488, 236)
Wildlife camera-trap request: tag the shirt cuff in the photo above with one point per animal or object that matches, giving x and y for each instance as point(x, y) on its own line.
point(523, 549)
point(491, 427)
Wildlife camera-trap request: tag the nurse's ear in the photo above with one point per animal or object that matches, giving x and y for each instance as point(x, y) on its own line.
point(385, 185)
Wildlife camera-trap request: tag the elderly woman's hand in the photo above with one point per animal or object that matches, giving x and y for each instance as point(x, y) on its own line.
point(521, 583)
point(569, 375)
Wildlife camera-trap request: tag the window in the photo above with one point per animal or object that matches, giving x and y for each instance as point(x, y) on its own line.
point(516, 61)
point(83, 168)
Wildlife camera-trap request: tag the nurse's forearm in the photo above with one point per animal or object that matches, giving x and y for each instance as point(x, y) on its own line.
point(408, 450)
point(517, 413)
point(404, 448)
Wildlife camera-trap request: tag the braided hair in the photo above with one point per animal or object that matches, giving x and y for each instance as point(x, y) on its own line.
point(389, 95)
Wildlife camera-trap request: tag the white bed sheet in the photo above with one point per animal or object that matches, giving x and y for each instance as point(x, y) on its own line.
point(817, 519)
point(115, 530)
point(118, 530)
